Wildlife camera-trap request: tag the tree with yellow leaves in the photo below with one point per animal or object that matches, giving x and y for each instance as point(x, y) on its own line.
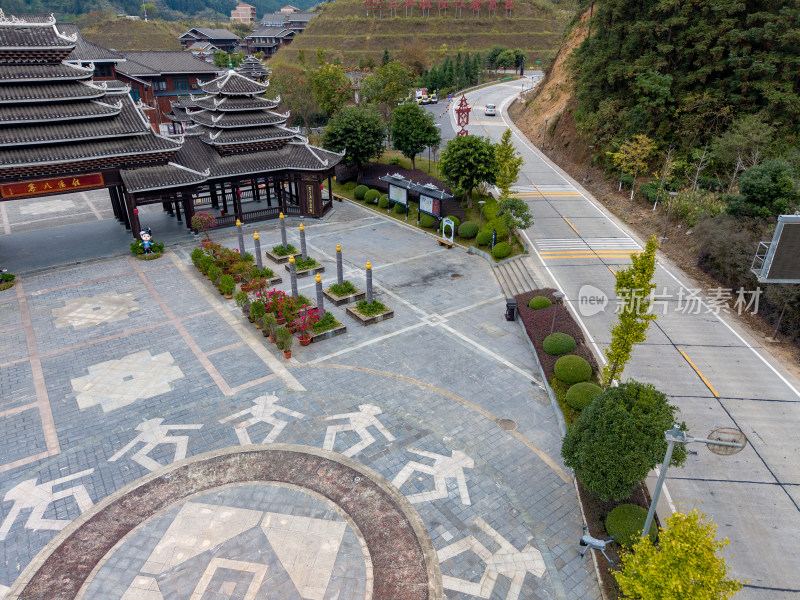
point(633, 156)
point(683, 565)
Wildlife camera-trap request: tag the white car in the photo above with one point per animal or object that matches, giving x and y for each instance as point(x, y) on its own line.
point(490, 110)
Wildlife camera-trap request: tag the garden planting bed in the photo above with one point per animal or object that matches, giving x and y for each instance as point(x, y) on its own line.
point(339, 300)
point(306, 272)
point(281, 259)
point(387, 314)
point(324, 335)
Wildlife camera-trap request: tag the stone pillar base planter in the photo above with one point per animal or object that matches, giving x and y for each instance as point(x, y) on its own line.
point(307, 272)
point(151, 256)
point(339, 300)
point(274, 281)
point(281, 259)
point(353, 312)
point(324, 335)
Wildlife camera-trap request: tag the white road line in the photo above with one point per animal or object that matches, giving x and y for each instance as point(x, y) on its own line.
point(366, 343)
point(91, 206)
point(4, 216)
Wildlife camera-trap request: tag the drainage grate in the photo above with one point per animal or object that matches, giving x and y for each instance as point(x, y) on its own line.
point(507, 424)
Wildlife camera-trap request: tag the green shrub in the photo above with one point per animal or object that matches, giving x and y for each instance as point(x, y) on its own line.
point(206, 263)
point(371, 196)
point(304, 265)
point(625, 524)
point(227, 284)
point(557, 344)
point(572, 369)
point(539, 302)
point(502, 229)
point(456, 221)
point(328, 321)
point(370, 309)
point(501, 250)
point(484, 238)
point(400, 209)
point(7, 277)
point(270, 324)
point(360, 192)
point(468, 230)
point(196, 256)
point(257, 310)
point(241, 298)
point(383, 201)
point(427, 221)
point(279, 250)
point(581, 394)
point(285, 338)
point(345, 289)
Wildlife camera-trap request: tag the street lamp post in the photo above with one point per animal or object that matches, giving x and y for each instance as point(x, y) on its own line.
point(588, 164)
point(676, 436)
point(669, 208)
point(559, 297)
point(480, 222)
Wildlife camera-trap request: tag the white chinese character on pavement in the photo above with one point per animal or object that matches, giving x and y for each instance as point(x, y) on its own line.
point(263, 411)
point(717, 300)
point(689, 304)
point(661, 299)
point(742, 305)
point(630, 301)
point(443, 468)
point(507, 560)
point(359, 421)
point(153, 434)
point(29, 495)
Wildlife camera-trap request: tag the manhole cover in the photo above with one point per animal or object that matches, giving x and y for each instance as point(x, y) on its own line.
point(727, 434)
point(507, 424)
point(455, 275)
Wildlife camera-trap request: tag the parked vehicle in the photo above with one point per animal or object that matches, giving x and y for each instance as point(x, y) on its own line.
point(490, 110)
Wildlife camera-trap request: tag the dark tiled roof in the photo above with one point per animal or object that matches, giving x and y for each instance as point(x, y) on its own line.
point(73, 90)
point(235, 119)
point(216, 34)
point(197, 157)
point(160, 62)
point(87, 151)
point(234, 104)
point(54, 113)
point(40, 73)
point(232, 83)
point(247, 135)
point(271, 31)
point(86, 50)
point(129, 122)
point(39, 35)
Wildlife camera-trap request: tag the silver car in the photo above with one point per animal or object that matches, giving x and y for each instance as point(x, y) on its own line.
point(490, 110)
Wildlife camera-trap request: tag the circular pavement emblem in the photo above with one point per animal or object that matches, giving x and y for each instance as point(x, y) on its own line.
point(400, 554)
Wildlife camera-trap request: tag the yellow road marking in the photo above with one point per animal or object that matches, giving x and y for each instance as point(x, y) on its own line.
point(570, 224)
point(612, 270)
point(696, 370)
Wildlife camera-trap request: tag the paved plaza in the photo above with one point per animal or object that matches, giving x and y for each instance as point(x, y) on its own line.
point(132, 391)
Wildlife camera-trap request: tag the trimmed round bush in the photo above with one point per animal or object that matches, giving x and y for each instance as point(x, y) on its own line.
point(456, 220)
point(501, 250)
point(625, 524)
point(484, 238)
point(371, 196)
point(539, 302)
point(558, 344)
point(427, 221)
point(400, 209)
point(502, 230)
point(383, 201)
point(468, 230)
point(580, 395)
point(572, 369)
point(360, 192)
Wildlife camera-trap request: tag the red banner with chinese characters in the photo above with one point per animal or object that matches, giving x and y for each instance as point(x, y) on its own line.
point(40, 187)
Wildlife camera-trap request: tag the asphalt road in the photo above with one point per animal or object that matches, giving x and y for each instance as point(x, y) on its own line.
point(718, 375)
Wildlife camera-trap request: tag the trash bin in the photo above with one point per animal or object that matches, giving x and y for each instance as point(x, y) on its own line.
point(511, 309)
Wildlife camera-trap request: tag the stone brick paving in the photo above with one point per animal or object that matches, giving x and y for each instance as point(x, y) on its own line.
point(415, 398)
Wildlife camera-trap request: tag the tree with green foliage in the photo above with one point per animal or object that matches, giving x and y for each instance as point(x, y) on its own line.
point(766, 190)
point(683, 565)
point(330, 88)
point(494, 52)
point(359, 132)
point(633, 157)
point(413, 129)
point(466, 162)
point(633, 287)
point(741, 146)
point(508, 162)
point(618, 439)
point(506, 59)
point(386, 58)
point(387, 85)
point(515, 214)
point(291, 83)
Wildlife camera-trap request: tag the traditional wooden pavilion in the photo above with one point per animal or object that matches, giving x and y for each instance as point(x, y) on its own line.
point(252, 68)
point(61, 132)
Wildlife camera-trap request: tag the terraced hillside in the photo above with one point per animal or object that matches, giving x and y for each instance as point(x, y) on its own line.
point(344, 30)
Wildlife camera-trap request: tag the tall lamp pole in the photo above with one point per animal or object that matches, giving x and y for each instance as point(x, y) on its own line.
point(480, 222)
point(676, 436)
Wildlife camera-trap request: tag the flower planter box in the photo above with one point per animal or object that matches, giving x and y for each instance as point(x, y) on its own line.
point(351, 310)
point(151, 256)
point(281, 259)
point(339, 300)
point(307, 272)
point(318, 337)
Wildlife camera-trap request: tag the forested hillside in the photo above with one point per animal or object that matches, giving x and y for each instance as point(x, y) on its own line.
point(68, 10)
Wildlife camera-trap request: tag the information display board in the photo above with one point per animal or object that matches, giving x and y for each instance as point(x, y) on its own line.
point(398, 195)
point(429, 206)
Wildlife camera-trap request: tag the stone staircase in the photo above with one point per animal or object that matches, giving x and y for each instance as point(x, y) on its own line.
point(515, 277)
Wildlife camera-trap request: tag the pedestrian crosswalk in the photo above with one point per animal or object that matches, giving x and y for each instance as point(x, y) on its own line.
point(558, 248)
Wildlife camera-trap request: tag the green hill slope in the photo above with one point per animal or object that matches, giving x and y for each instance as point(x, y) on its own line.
point(343, 30)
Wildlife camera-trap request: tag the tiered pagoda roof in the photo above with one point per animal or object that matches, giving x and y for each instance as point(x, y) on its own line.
point(252, 68)
point(54, 119)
